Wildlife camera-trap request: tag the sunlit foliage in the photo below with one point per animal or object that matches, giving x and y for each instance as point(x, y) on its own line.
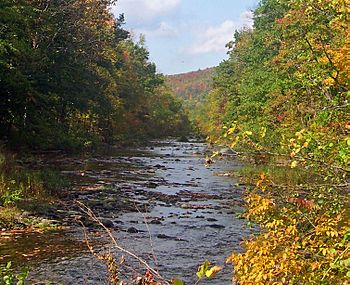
point(282, 98)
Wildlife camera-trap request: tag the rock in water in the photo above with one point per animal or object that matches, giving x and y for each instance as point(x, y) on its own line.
point(183, 139)
point(107, 223)
point(163, 236)
point(226, 151)
point(132, 230)
point(216, 226)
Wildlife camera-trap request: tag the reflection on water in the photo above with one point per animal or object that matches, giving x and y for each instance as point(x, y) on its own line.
point(37, 247)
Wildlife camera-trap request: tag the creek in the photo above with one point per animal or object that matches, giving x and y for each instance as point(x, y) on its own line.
point(161, 202)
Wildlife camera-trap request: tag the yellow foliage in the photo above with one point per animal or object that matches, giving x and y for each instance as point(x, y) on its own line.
point(294, 246)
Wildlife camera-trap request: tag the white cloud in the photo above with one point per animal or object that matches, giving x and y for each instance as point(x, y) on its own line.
point(214, 38)
point(163, 30)
point(160, 6)
point(145, 10)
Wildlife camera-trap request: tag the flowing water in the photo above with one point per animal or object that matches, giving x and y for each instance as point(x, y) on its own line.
point(162, 203)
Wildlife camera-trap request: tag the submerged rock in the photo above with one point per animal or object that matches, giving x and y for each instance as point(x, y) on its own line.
point(155, 222)
point(216, 226)
point(152, 185)
point(212, 220)
point(107, 223)
point(159, 166)
point(183, 139)
point(163, 236)
point(132, 230)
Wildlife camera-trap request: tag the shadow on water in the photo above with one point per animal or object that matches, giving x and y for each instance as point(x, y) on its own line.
point(36, 247)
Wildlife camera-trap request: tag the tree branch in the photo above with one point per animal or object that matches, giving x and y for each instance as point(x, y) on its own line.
point(91, 214)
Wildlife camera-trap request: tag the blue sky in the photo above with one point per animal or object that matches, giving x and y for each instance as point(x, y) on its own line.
point(185, 35)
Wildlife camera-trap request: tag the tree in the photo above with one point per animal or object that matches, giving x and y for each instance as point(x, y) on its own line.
point(71, 75)
point(283, 96)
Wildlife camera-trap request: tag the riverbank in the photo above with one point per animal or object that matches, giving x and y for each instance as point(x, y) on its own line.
point(35, 184)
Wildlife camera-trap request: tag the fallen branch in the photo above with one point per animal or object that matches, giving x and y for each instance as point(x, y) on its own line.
point(150, 236)
point(93, 217)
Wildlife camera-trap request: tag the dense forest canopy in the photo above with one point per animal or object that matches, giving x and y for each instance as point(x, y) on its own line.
point(71, 75)
point(192, 88)
point(192, 85)
point(282, 97)
point(289, 73)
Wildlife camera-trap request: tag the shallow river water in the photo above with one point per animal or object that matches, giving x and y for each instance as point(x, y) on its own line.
point(162, 203)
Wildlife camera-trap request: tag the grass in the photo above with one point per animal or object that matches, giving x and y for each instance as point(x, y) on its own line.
point(279, 175)
point(25, 189)
point(9, 217)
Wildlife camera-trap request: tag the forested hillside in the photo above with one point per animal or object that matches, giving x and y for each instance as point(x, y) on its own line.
point(71, 76)
point(281, 99)
point(193, 85)
point(193, 88)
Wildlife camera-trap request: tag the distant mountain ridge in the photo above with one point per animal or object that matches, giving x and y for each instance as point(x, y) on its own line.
point(192, 85)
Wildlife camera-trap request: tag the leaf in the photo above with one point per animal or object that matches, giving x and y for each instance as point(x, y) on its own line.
point(215, 154)
point(230, 131)
point(213, 271)
point(345, 262)
point(178, 281)
point(294, 164)
point(202, 269)
point(247, 133)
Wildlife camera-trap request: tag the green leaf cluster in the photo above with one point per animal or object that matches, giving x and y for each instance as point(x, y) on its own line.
point(9, 277)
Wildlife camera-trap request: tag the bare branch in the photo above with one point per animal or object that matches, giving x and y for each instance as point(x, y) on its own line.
point(150, 236)
point(91, 214)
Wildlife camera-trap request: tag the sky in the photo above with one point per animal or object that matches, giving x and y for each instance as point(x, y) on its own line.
point(185, 35)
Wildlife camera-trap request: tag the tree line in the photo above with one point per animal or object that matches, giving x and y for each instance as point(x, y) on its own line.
point(282, 98)
point(72, 76)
